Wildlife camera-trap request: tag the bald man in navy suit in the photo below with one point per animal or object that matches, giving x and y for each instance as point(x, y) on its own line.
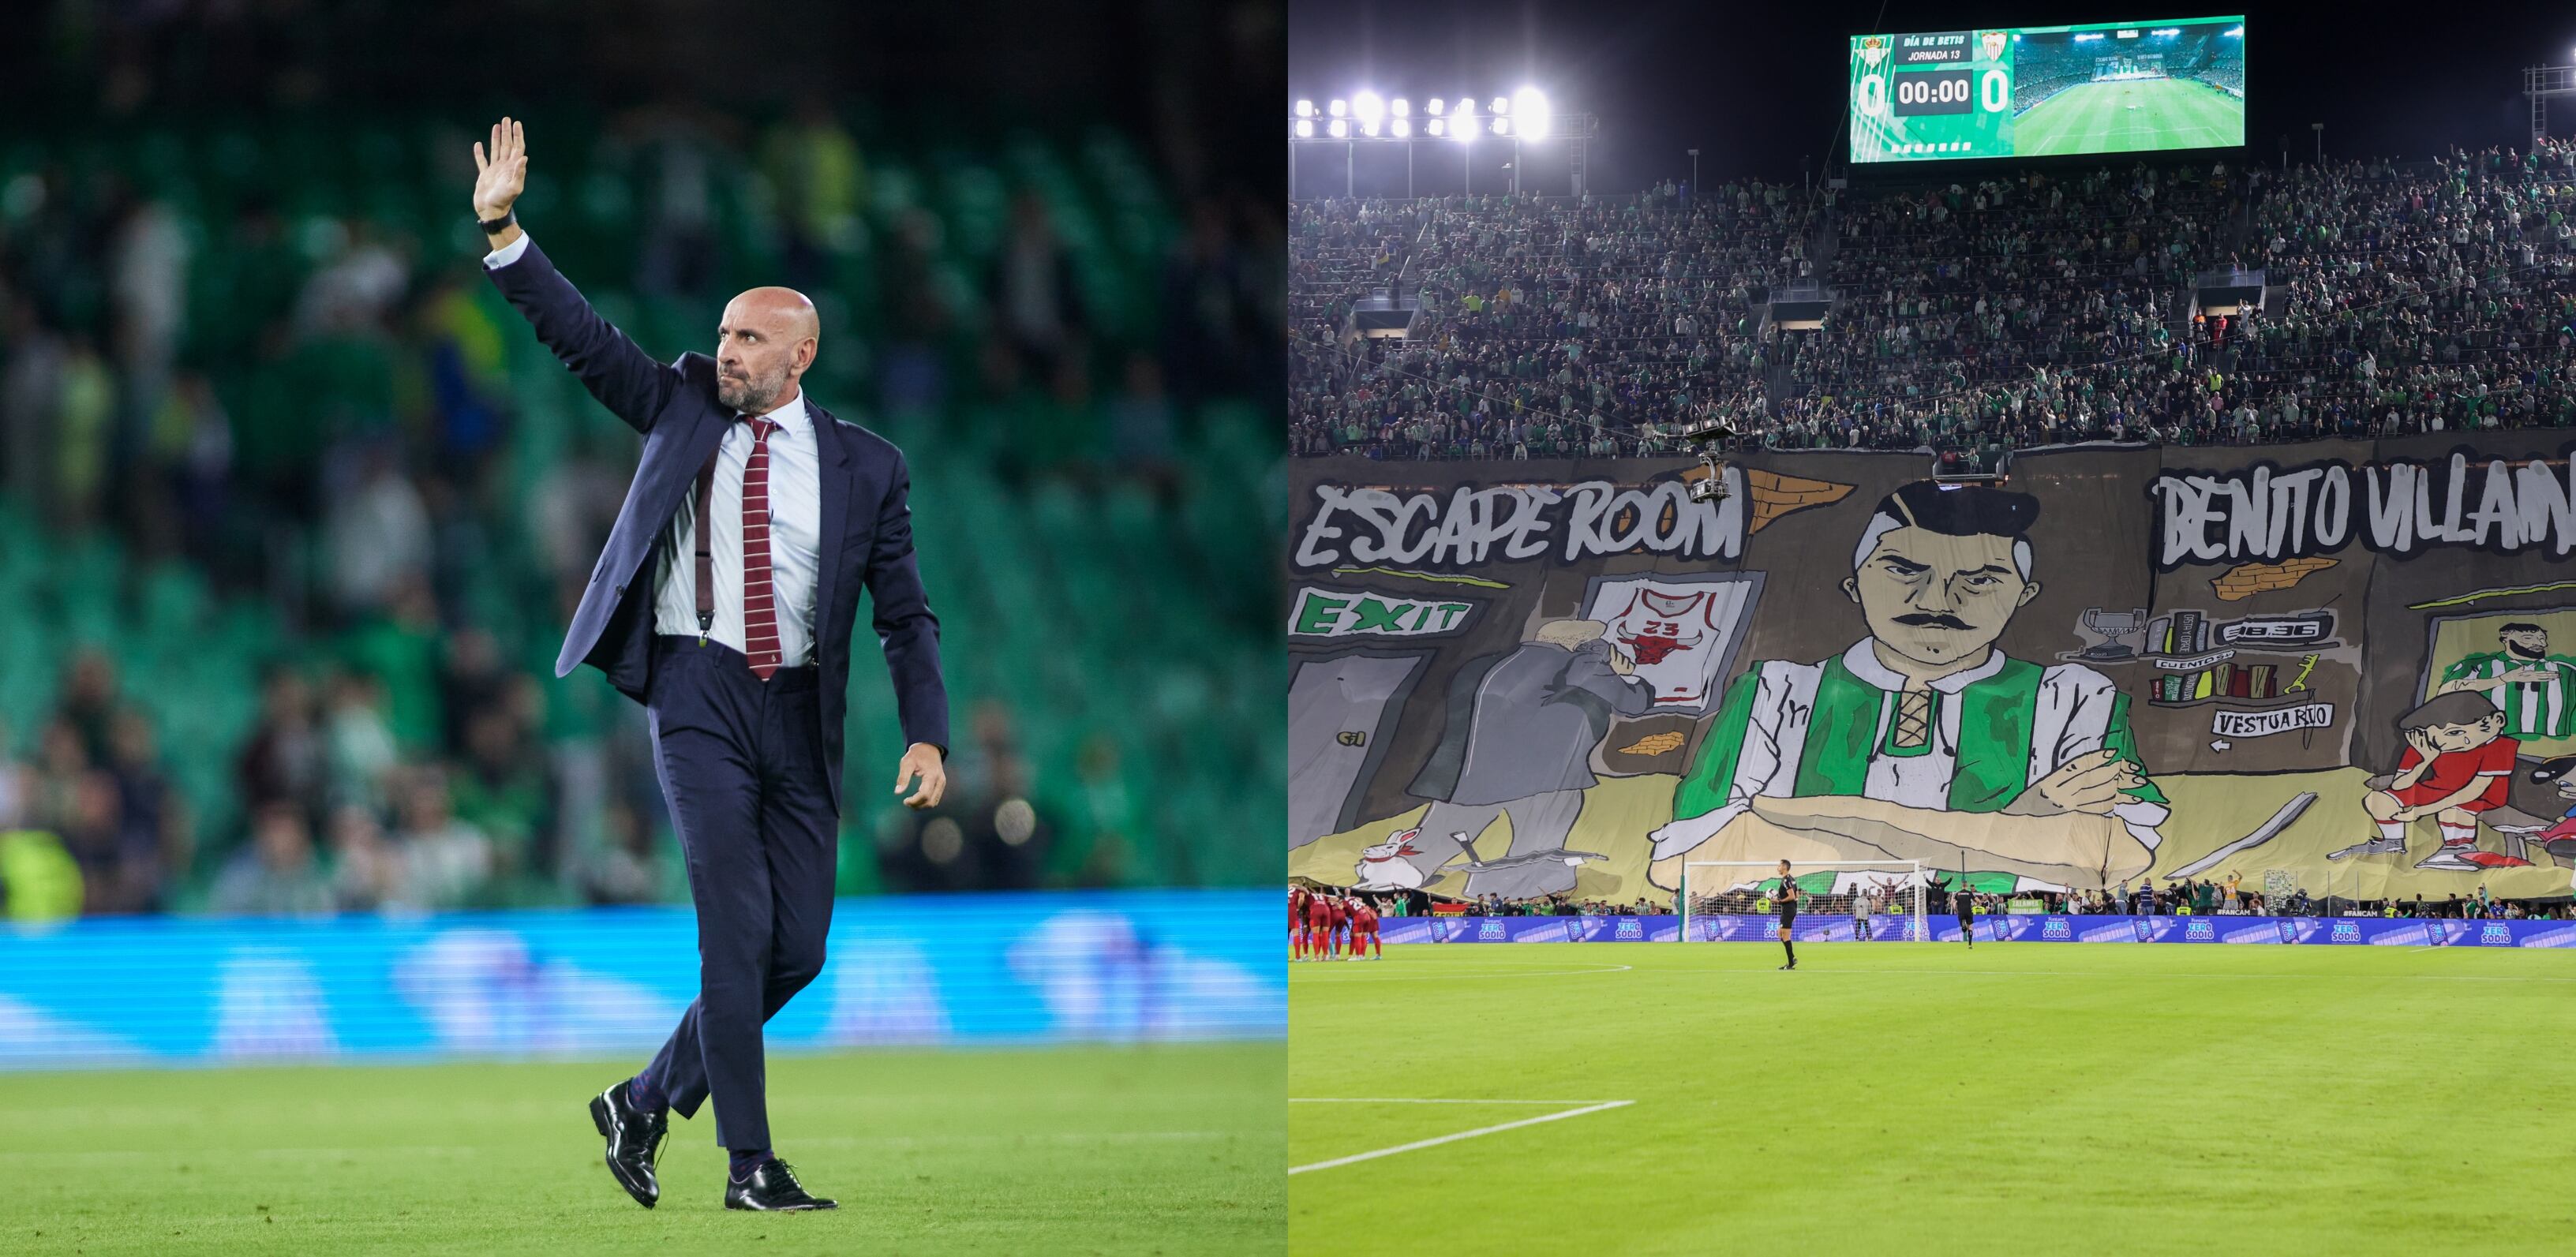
point(736, 638)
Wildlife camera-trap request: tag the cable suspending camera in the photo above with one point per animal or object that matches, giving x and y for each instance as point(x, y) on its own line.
point(1711, 486)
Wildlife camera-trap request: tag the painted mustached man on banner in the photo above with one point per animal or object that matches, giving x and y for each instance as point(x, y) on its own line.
point(1923, 741)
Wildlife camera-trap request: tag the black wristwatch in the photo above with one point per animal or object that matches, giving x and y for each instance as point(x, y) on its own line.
point(491, 226)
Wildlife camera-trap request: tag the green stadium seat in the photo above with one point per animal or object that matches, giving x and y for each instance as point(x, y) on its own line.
point(1086, 609)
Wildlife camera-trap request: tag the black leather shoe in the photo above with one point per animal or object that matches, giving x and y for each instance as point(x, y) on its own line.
point(772, 1186)
point(635, 1140)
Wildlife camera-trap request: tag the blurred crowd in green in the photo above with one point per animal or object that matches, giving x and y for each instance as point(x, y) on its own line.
point(293, 507)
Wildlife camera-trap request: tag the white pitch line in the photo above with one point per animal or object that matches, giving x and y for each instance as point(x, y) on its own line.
point(2088, 973)
point(1419, 1144)
point(1429, 1100)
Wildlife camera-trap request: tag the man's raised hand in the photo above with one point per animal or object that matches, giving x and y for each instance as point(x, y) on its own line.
point(501, 170)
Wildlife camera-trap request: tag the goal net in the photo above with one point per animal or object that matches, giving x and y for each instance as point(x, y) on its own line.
point(1877, 900)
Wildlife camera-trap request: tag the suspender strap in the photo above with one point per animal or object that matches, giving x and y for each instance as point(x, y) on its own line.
point(705, 530)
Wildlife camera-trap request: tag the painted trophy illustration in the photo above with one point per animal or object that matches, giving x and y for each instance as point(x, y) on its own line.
point(2112, 628)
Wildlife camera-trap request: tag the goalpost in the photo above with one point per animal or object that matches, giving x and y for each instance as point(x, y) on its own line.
point(1858, 889)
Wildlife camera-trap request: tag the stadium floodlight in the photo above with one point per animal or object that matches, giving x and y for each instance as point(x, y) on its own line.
point(1531, 105)
point(1369, 109)
point(1436, 105)
point(1403, 128)
point(1502, 126)
point(1305, 128)
point(1340, 108)
point(1305, 109)
point(1466, 104)
point(1463, 128)
point(1439, 127)
point(1502, 105)
point(1341, 129)
point(1402, 108)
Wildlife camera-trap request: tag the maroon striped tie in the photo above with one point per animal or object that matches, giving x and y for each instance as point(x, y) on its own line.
point(759, 608)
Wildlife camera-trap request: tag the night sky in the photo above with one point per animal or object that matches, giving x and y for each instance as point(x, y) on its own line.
point(1757, 86)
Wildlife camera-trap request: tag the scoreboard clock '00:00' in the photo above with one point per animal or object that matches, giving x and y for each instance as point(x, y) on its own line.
point(1930, 92)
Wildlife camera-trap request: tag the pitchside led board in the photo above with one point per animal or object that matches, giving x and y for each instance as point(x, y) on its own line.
point(2041, 91)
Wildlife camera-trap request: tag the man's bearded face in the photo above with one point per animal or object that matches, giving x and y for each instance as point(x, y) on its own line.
point(1938, 599)
point(2527, 644)
point(753, 384)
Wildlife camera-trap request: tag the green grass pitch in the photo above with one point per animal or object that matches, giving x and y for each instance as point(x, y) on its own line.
point(2099, 117)
point(1930, 1099)
point(1164, 1149)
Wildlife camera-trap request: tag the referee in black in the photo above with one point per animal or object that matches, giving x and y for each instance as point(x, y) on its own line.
point(1967, 900)
point(1788, 901)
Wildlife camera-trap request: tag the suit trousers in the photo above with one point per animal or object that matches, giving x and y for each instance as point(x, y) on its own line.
point(741, 764)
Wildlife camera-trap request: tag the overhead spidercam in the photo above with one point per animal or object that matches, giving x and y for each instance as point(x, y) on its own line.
point(1710, 437)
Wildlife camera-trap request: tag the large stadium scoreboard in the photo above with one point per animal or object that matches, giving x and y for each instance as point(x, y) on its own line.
point(2041, 90)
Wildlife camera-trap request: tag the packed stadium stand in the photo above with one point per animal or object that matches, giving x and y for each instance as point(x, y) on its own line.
point(297, 508)
point(2039, 307)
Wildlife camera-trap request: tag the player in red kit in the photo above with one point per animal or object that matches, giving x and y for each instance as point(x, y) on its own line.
point(1298, 901)
point(1319, 928)
point(1364, 930)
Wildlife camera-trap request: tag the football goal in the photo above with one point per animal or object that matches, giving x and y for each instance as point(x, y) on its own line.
point(1867, 891)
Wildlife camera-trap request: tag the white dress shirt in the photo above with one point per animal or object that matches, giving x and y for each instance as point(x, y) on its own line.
point(795, 529)
point(795, 524)
point(507, 253)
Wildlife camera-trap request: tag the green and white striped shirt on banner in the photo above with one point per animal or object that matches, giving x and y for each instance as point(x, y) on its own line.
point(2540, 699)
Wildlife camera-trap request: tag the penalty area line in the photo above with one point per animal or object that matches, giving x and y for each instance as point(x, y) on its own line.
point(1434, 1100)
point(2148, 973)
point(1438, 1140)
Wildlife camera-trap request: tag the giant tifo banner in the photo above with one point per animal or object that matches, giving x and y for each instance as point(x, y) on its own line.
point(1835, 928)
point(2349, 665)
point(928, 971)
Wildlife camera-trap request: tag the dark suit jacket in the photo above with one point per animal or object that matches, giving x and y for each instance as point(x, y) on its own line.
point(1528, 724)
point(866, 532)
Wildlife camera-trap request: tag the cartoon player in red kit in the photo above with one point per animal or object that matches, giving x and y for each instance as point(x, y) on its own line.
point(2455, 767)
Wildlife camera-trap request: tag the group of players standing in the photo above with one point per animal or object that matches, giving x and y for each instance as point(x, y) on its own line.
point(1332, 927)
